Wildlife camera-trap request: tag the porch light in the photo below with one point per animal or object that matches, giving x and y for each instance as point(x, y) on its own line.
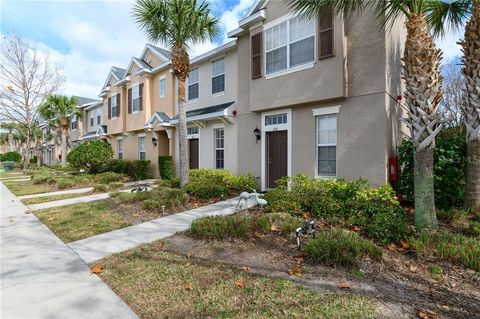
point(257, 134)
point(154, 141)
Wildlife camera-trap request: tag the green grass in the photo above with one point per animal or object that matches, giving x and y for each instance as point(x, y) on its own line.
point(78, 221)
point(337, 247)
point(28, 188)
point(445, 246)
point(220, 227)
point(44, 199)
point(157, 284)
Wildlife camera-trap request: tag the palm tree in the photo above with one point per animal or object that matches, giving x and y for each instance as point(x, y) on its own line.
point(58, 110)
point(177, 24)
point(455, 13)
point(421, 73)
point(10, 127)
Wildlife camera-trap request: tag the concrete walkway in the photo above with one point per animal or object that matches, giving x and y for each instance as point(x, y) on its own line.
point(103, 245)
point(15, 179)
point(41, 277)
point(69, 201)
point(68, 191)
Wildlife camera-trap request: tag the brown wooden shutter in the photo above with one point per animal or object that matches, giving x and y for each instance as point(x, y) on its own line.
point(140, 96)
point(256, 56)
point(109, 108)
point(129, 101)
point(118, 104)
point(326, 43)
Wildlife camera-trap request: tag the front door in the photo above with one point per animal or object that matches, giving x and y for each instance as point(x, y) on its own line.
point(193, 153)
point(277, 150)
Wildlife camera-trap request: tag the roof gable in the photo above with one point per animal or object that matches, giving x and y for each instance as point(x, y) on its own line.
point(162, 54)
point(115, 73)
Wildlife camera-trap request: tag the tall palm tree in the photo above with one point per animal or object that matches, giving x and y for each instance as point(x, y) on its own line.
point(421, 73)
point(455, 13)
point(58, 110)
point(177, 24)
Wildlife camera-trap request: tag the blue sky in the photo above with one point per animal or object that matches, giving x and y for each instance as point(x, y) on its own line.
point(88, 37)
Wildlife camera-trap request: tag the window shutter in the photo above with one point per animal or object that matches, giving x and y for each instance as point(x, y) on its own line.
point(140, 96)
point(118, 104)
point(256, 48)
point(129, 101)
point(326, 43)
point(109, 108)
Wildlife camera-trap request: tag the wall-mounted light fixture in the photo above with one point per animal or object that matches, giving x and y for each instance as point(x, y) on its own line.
point(257, 134)
point(154, 141)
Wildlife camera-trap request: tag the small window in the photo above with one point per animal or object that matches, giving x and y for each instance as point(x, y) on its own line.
point(276, 119)
point(218, 76)
point(192, 130)
point(193, 84)
point(162, 87)
point(74, 122)
point(115, 106)
point(92, 119)
point(120, 149)
point(219, 148)
point(141, 147)
point(327, 145)
point(99, 116)
point(136, 98)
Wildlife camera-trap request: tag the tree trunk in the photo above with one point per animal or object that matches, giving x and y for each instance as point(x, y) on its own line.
point(472, 191)
point(471, 107)
point(11, 145)
point(64, 148)
point(182, 134)
point(39, 156)
point(26, 153)
point(425, 216)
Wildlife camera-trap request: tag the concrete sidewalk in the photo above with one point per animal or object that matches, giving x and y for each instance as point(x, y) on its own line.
point(103, 245)
point(68, 191)
point(41, 277)
point(69, 201)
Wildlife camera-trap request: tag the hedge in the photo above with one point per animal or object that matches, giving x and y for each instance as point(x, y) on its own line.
point(11, 157)
point(165, 165)
point(91, 156)
point(136, 169)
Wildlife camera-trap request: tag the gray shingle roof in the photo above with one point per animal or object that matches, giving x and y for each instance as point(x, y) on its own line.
point(84, 100)
point(119, 72)
point(164, 117)
point(164, 52)
point(208, 110)
point(142, 63)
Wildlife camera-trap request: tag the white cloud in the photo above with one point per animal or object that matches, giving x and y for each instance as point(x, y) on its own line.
point(448, 44)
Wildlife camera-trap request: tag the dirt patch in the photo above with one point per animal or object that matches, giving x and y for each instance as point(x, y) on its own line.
point(402, 282)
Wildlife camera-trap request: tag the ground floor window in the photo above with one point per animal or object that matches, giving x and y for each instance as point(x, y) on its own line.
point(219, 134)
point(327, 145)
point(120, 149)
point(141, 147)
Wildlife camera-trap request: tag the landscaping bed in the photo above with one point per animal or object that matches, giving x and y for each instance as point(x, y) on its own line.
point(158, 284)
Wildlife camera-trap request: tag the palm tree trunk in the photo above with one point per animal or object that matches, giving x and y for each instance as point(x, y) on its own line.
point(182, 133)
point(64, 147)
point(471, 70)
point(11, 146)
point(421, 72)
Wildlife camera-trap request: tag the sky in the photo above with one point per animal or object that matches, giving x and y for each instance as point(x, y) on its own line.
point(88, 37)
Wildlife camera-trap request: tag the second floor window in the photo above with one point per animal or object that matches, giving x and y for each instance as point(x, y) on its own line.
point(99, 116)
point(115, 106)
point(289, 44)
point(141, 147)
point(218, 76)
point(162, 87)
point(193, 84)
point(136, 98)
point(74, 122)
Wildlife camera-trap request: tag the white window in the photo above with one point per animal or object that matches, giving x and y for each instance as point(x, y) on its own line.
point(219, 135)
point(289, 44)
point(192, 130)
point(99, 116)
point(92, 119)
point(120, 149)
point(327, 145)
point(115, 107)
point(74, 122)
point(276, 119)
point(193, 84)
point(218, 76)
point(141, 147)
point(136, 98)
point(162, 87)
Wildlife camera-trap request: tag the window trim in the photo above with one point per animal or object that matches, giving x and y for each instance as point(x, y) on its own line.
point(92, 119)
point(164, 79)
point(330, 110)
point(118, 148)
point(219, 93)
point(215, 148)
point(113, 115)
point(144, 137)
point(288, 70)
point(135, 85)
point(197, 82)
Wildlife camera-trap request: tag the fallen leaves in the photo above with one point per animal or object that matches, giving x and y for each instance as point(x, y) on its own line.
point(344, 285)
point(97, 269)
point(297, 271)
point(189, 255)
point(189, 287)
point(401, 247)
point(413, 268)
point(275, 228)
point(240, 283)
point(427, 314)
point(245, 268)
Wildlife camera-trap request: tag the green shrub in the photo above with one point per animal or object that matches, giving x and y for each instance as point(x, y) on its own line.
point(11, 157)
point(9, 165)
point(100, 187)
point(153, 204)
point(337, 247)
point(40, 179)
point(64, 183)
point(455, 248)
point(220, 227)
point(449, 168)
point(136, 169)
point(474, 227)
point(109, 177)
point(284, 206)
point(165, 165)
point(387, 226)
point(82, 179)
point(115, 185)
point(92, 156)
point(286, 222)
point(206, 190)
point(34, 160)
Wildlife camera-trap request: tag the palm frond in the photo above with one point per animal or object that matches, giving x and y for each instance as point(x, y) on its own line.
point(445, 16)
point(312, 8)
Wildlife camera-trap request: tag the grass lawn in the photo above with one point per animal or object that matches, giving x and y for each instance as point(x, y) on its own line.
point(157, 284)
point(44, 199)
point(28, 188)
point(78, 221)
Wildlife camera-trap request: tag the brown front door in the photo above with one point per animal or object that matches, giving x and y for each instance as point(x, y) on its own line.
point(193, 153)
point(276, 157)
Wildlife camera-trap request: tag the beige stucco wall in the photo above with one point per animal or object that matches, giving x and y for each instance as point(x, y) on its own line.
point(165, 104)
